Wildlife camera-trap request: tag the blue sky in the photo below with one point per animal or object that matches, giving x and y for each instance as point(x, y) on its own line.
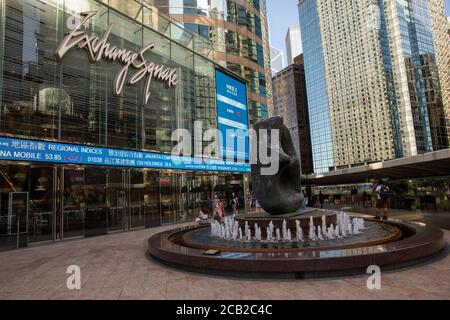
point(283, 13)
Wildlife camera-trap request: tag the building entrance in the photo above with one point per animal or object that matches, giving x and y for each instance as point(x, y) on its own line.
point(27, 205)
point(99, 201)
point(43, 203)
point(14, 219)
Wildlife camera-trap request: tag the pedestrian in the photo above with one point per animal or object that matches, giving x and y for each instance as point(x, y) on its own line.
point(249, 199)
point(257, 205)
point(234, 203)
point(382, 191)
point(306, 199)
point(253, 201)
point(203, 217)
point(304, 202)
point(218, 210)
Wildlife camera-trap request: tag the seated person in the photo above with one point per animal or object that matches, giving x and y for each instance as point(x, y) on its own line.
point(203, 218)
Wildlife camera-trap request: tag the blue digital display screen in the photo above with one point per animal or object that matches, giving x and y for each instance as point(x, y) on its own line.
point(49, 152)
point(232, 113)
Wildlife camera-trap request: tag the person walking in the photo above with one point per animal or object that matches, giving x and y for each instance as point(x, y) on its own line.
point(249, 199)
point(234, 203)
point(304, 202)
point(382, 191)
point(218, 210)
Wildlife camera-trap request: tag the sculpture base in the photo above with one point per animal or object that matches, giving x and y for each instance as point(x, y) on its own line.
point(262, 214)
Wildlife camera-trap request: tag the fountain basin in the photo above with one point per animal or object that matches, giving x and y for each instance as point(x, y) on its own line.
point(415, 243)
point(376, 234)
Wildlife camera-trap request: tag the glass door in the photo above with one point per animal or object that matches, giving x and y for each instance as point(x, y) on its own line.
point(14, 206)
point(84, 204)
point(116, 199)
point(73, 204)
point(194, 206)
point(152, 205)
point(17, 221)
point(168, 215)
point(196, 194)
point(133, 199)
point(181, 198)
point(42, 190)
point(96, 208)
point(136, 204)
point(5, 240)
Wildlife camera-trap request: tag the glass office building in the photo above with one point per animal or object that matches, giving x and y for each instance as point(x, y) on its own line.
point(316, 87)
point(70, 104)
point(377, 78)
point(239, 34)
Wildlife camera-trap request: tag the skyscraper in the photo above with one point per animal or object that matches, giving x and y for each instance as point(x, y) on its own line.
point(293, 44)
point(290, 103)
point(376, 79)
point(448, 25)
point(238, 30)
point(276, 60)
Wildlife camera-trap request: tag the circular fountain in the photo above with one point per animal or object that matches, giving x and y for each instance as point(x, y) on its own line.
point(237, 236)
point(387, 244)
point(307, 243)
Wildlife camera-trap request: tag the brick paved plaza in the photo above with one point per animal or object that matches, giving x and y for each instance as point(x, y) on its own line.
point(117, 267)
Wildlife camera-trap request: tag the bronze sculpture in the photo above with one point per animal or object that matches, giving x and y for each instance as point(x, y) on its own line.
point(279, 193)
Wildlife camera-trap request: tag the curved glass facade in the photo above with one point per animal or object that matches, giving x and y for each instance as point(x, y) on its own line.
point(238, 32)
point(71, 100)
point(70, 103)
point(319, 118)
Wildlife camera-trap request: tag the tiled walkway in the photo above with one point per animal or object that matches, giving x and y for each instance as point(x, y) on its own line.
point(116, 267)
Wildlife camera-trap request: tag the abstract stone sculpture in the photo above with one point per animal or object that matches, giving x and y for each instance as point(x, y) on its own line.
point(280, 193)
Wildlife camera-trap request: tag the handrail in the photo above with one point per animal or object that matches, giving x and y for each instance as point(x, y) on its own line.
point(14, 188)
point(6, 177)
